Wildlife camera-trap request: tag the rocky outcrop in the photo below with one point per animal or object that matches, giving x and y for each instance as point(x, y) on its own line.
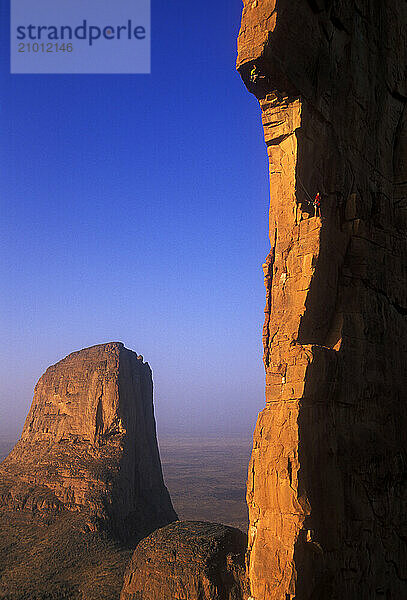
point(327, 488)
point(197, 560)
point(89, 445)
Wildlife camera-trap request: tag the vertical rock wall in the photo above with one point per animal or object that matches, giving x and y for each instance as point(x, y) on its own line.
point(89, 445)
point(327, 488)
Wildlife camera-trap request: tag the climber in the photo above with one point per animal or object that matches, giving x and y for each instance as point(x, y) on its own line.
point(317, 205)
point(254, 74)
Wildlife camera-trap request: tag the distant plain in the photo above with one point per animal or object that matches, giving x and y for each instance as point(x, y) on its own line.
point(205, 475)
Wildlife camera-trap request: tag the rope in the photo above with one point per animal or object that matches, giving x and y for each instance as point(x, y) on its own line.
point(312, 201)
point(304, 188)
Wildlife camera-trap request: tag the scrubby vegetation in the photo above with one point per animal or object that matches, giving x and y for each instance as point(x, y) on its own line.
point(57, 560)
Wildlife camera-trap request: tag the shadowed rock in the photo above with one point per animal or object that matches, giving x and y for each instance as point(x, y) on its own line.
point(327, 488)
point(188, 560)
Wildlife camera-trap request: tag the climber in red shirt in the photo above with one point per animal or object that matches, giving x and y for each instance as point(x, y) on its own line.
point(317, 205)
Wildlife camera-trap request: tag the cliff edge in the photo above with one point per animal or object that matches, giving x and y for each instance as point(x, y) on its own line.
point(327, 487)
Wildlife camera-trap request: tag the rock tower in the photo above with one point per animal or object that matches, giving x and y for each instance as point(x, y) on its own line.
point(327, 488)
point(89, 445)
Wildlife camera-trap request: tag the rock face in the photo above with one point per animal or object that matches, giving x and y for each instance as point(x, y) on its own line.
point(188, 561)
point(327, 488)
point(89, 445)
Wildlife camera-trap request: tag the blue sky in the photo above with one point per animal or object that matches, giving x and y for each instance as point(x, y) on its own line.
point(134, 208)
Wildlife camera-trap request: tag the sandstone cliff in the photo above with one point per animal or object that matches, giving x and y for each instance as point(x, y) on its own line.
point(89, 444)
point(84, 482)
point(327, 488)
point(188, 560)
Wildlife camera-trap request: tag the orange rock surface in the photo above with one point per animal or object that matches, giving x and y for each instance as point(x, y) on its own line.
point(188, 560)
point(89, 445)
point(327, 486)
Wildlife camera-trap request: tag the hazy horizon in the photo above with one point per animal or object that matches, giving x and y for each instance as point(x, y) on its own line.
point(196, 431)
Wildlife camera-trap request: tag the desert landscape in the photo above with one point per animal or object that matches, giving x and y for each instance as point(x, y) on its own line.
point(206, 477)
point(94, 505)
point(83, 486)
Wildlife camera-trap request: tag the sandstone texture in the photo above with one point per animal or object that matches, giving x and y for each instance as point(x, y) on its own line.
point(89, 445)
point(189, 560)
point(327, 487)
